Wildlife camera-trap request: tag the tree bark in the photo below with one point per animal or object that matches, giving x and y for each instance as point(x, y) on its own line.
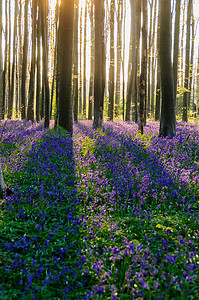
point(65, 52)
point(168, 117)
point(99, 77)
point(24, 63)
point(187, 64)
point(92, 62)
point(143, 74)
point(75, 80)
point(176, 45)
point(112, 62)
point(30, 110)
point(131, 82)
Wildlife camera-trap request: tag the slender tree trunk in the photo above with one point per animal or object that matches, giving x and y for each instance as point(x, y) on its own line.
point(38, 89)
point(131, 82)
point(99, 77)
point(91, 86)
point(65, 51)
point(191, 59)
point(1, 63)
point(30, 110)
point(148, 108)
point(136, 94)
point(9, 112)
point(143, 74)
point(168, 117)
point(153, 62)
point(80, 64)
point(176, 45)
point(55, 59)
point(187, 64)
point(112, 62)
point(75, 80)
point(24, 63)
point(157, 105)
point(119, 55)
point(44, 13)
point(84, 74)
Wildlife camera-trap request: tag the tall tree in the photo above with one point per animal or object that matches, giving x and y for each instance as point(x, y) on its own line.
point(131, 82)
point(92, 61)
point(44, 14)
point(143, 74)
point(119, 55)
point(176, 45)
point(149, 57)
point(168, 117)
point(112, 62)
point(84, 76)
point(24, 63)
point(11, 94)
point(99, 76)
point(187, 64)
point(1, 62)
point(38, 89)
point(191, 57)
point(30, 110)
point(157, 104)
point(65, 68)
point(75, 80)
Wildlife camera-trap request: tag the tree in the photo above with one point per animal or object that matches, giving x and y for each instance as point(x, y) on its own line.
point(24, 63)
point(92, 61)
point(99, 76)
point(65, 68)
point(112, 62)
point(187, 64)
point(176, 45)
point(119, 55)
point(143, 74)
point(131, 82)
point(1, 62)
point(168, 117)
point(38, 89)
point(75, 79)
point(30, 110)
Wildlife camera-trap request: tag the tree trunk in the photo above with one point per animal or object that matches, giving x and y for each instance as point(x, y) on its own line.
point(176, 46)
point(38, 90)
point(143, 74)
point(119, 55)
point(99, 77)
point(191, 59)
point(92, 62)
point(187, 64)
point(65, 52)
point(84, 74)
point(24, 63)
point(1, 63)
point(112, 62)
point(44, 10)
point(30, 110)
point(157, 105)
point(80, 64)
point(75, 80)
point(153, 61)
point(168, 117)
point(131, 81)
point(148, 107)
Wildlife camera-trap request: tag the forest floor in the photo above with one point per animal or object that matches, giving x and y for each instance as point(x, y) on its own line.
point(106, 214)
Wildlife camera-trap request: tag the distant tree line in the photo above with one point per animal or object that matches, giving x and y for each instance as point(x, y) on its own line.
point(73, 60)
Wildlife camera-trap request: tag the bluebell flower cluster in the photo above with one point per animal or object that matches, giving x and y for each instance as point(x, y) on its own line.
point(105, 214)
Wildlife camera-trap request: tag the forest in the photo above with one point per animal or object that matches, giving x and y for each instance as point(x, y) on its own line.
point(99, 150)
